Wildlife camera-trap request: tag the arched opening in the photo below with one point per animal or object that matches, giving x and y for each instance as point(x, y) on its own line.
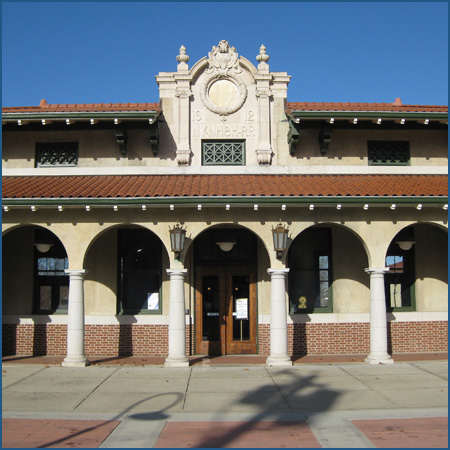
point(326, 271)
point(125, 272)
point(34, 281)
point(327, 284)
point(418, 277)
point(125, 283)
point(226, 264)
point(35, 287)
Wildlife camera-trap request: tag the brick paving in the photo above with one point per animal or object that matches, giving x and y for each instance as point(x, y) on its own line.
point(430, 432)
point(57, 433)
point(264, 434)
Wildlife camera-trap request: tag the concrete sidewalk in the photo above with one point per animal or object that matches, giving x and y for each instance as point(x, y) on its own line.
point(350, 405)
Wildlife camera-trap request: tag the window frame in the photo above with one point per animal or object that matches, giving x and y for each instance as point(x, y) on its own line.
point(408, 275)
point(224, 141)
point(54, 281)
point(390, 162)
point(123, 309)
point(317, 254)
point(59, 162)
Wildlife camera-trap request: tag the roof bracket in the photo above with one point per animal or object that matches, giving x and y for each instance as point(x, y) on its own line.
point(121, 136)
point(324, 140)
point(154, 137)
point(293, 136)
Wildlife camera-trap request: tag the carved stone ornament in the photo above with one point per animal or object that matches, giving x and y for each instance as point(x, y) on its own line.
point(183, 157)
point(222, 90)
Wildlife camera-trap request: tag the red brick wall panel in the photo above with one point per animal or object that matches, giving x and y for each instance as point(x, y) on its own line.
point(153, 340)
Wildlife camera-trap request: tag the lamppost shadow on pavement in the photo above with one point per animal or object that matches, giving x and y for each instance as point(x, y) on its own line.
point(157, 415)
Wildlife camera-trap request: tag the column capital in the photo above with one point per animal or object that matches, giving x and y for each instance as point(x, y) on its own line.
point(76, 272)
point(175, 272)
point(377, 270)
point(279, 272)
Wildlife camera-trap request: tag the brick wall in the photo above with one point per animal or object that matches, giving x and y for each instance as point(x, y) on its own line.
point(152, 340)
point(354, 338)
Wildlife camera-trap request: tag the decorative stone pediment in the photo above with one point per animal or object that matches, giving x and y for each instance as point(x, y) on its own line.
point(224, 97)
point(222, 90)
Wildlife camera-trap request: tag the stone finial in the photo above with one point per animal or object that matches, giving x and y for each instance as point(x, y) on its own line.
point(182, 57)
point(398, 102)
point(263, 67)
point(43, 103)
point(262, 57)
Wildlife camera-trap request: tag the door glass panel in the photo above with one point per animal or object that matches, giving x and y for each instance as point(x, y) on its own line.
point(211, 300)
point(241, 312)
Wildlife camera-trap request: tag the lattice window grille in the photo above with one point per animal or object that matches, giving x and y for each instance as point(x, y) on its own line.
point(388, 152)
point(57, 154)
point(223, 153)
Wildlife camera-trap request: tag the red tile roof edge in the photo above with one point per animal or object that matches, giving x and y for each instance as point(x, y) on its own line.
point(368, 107)
point(167, 186)
point(84, 107)
point(291, 106)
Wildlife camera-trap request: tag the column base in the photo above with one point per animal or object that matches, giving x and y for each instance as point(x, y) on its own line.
point(176, 362)
point(278, 361)
point(73, 362)
point(379, 360)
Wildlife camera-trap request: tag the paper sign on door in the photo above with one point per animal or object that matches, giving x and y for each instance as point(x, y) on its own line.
point(241, 308)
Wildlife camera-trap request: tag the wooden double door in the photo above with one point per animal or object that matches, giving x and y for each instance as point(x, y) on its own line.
point(225, 307)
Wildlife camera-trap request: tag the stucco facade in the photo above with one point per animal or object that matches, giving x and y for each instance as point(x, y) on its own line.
point(323, 293)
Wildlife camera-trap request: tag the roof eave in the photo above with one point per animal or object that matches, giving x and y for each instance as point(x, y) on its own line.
point(82, 115)
point(367, 114)
point(232, 200)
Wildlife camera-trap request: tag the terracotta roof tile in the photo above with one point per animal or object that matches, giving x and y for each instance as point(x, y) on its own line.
point(367, 107)
point(84, 107)
point(291, 106)
point(153, 186)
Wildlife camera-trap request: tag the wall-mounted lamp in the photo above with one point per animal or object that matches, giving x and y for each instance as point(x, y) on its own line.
point(280, 234)
point(177, 234)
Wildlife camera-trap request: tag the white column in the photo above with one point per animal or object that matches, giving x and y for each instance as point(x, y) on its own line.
point(278, 319)
point(75, 327)
point(378, 321)
point(177, 321)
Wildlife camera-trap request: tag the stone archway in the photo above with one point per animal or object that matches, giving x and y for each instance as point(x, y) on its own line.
point(35, 287)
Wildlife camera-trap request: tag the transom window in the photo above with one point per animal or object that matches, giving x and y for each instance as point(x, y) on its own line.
point(388, 153)
point(229, 153)
point(55, 154)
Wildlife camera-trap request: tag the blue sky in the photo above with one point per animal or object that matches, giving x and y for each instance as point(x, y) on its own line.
point(88, 52)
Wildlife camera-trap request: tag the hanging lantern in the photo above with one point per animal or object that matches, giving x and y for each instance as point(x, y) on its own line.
point(280, 234)
point(177, 234)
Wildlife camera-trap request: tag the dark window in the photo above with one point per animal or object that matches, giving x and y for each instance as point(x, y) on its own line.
point(399, 281)
point(388, 153)
point(52, 283)
point(310, 272)
point(140, 265)
point(55, 154)
point(226, 153)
